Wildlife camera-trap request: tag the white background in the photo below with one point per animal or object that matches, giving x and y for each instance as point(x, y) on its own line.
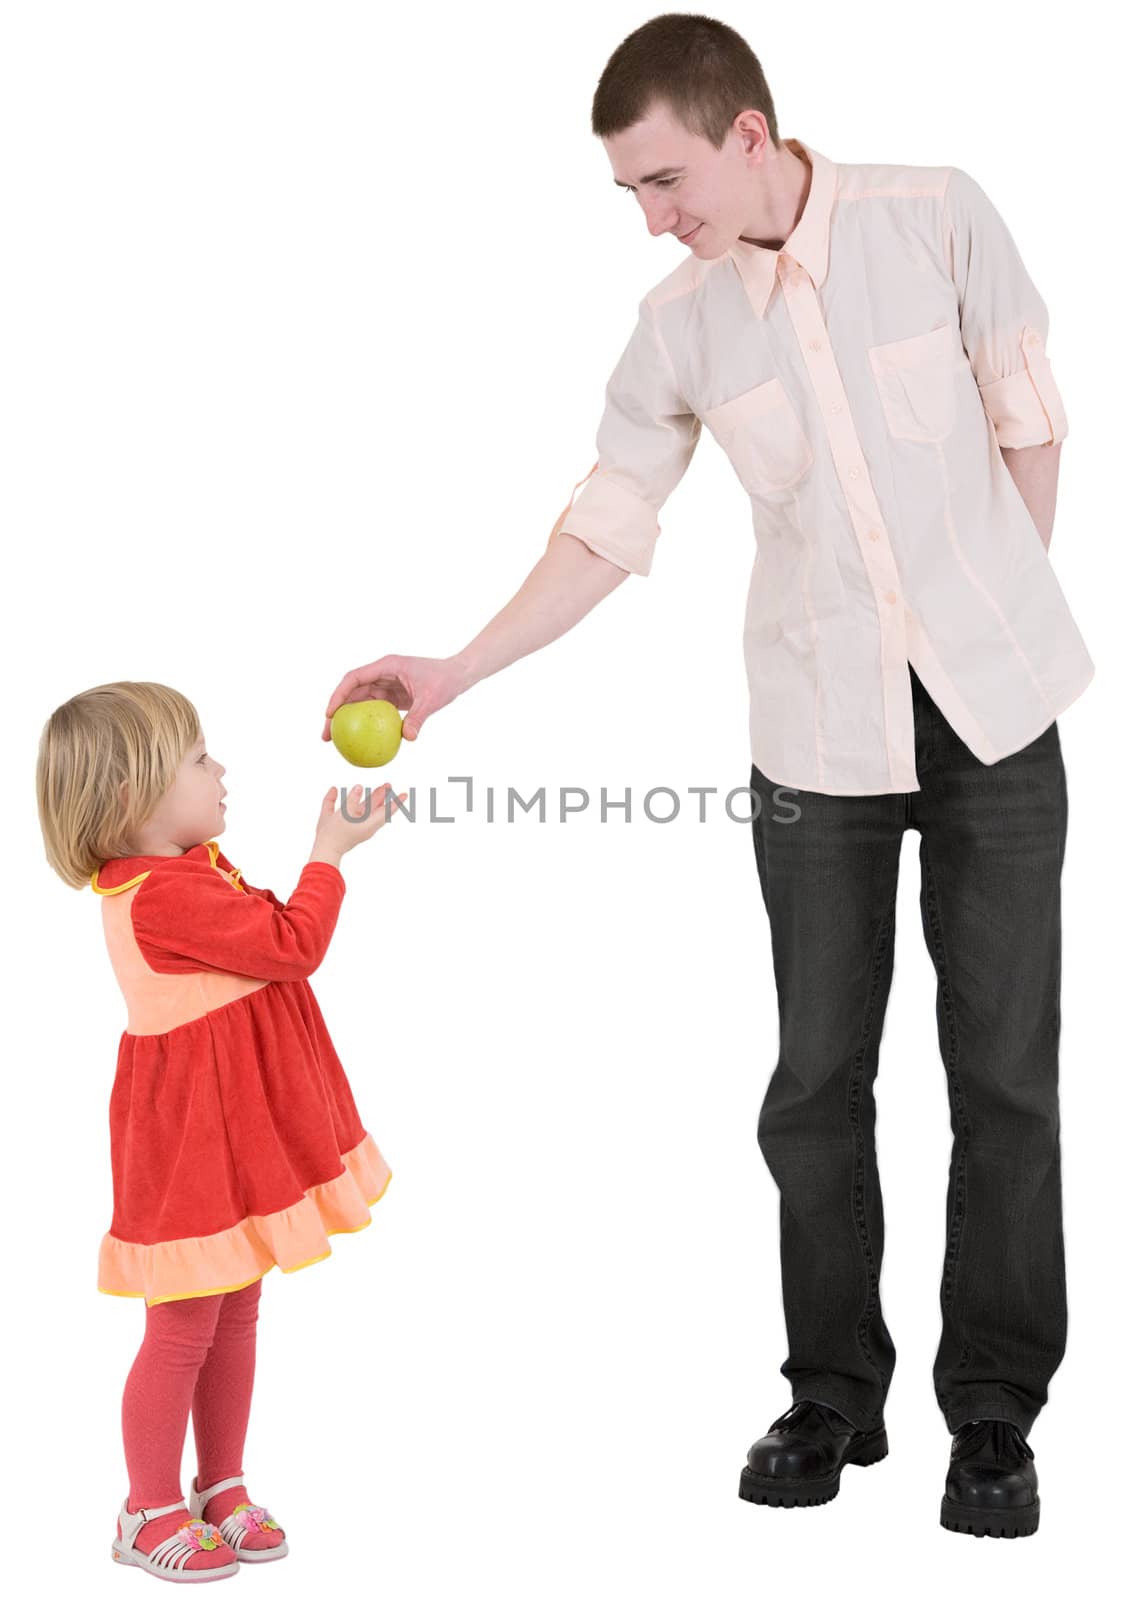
point(307, 313)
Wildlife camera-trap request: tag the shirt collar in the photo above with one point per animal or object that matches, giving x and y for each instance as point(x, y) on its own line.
point(122, 872)
point(809, 241)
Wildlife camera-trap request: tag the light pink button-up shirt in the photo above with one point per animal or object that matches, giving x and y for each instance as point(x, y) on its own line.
point(862, 380)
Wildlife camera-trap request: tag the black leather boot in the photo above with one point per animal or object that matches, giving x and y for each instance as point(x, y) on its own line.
point(991, 1483)
point(799, 1459)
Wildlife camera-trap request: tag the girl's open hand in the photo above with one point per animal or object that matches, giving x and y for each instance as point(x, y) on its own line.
point(336, 831)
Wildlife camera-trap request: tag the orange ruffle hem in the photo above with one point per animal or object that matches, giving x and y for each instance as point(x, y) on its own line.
point(215, 1263)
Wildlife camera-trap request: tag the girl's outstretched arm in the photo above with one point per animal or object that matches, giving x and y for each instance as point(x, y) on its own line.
point(186, 917)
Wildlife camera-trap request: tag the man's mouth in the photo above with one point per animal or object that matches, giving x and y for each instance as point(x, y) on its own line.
point(686, 238)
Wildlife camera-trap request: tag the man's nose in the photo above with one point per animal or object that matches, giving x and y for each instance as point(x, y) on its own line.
point(659, 214)
point(660, 220)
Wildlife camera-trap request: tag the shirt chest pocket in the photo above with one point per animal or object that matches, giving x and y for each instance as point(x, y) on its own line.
point(762, 437)
point(917, 383)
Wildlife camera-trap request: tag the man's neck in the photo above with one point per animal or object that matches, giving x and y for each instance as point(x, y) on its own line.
point(787, 188)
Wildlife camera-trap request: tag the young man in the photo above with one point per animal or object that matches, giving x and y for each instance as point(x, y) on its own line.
point(864, 342)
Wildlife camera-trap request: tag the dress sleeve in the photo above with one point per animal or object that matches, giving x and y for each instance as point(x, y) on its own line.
point(646, 439)
point(1004, 322)
point(188, 919)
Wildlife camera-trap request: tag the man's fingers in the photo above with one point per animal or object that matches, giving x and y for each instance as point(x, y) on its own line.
point(343, 691)
point(380, 680)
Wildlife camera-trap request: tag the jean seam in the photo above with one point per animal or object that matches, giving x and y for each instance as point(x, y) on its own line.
point(854, 1098)
point(958, 1213)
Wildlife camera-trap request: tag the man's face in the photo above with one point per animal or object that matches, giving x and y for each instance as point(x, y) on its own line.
point(704, 197)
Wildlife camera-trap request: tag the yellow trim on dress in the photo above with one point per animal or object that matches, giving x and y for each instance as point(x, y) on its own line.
point(213, 848)
point(120, 888)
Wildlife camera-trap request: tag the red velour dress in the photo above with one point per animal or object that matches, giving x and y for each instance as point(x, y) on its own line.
point(235, 1142)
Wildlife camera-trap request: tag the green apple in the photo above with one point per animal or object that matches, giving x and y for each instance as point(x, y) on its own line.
point(367, 732)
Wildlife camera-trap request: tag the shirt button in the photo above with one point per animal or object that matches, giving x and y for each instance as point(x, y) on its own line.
point(816, 344)
point(853, 472)
point(891, 597)
point(874, 534)
point(835, 406)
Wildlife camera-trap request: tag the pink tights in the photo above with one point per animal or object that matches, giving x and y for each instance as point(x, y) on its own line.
point(200, 1356)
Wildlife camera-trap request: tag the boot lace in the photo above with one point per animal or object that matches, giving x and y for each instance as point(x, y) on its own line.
point(795, 1412)
point(1008, 1441)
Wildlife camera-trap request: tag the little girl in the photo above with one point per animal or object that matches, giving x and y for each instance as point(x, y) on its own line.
point(235, 1142)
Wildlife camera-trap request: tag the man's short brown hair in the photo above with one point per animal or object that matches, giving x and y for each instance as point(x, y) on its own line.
point(700, 68)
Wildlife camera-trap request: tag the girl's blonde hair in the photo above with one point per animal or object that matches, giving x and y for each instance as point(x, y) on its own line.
point(106, 757)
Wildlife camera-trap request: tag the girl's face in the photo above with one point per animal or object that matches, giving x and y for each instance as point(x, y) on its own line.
point(190, 811)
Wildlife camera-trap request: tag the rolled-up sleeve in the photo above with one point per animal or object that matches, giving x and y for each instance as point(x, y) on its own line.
point(645, 441)
point(1004, 322)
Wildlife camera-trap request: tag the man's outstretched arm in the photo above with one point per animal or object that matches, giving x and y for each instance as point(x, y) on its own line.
point(566, 582)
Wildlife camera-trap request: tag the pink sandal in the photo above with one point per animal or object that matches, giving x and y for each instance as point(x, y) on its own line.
point(242, 1520)
point(169, 1558)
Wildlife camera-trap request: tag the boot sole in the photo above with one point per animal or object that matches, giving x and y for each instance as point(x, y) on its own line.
point(1015, 1522)
point(761, 1490)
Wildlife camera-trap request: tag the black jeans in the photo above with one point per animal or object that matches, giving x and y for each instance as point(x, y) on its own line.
point(992, 843)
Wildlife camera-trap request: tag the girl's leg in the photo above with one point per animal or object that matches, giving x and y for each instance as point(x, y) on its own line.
point(222, 1400)
point(155, 1413)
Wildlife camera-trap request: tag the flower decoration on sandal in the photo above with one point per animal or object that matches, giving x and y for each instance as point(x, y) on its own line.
point(257, 1519)
point(201, 1535)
